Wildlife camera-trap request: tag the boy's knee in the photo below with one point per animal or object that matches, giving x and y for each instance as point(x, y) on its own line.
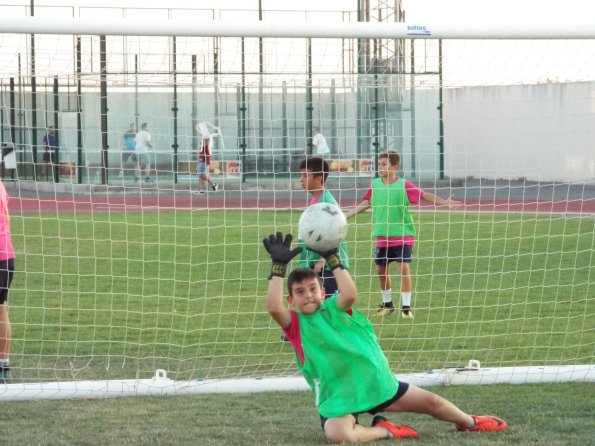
point(340, 430)
point(338, 436)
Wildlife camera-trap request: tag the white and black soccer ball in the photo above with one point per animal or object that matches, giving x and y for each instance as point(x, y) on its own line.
point(322, 226)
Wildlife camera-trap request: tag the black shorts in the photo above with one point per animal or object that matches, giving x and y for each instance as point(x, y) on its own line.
point(329, 283)
point(399, 254)
point(48, 157)
point(403, 387)
point(128, 155)
point(6, 274)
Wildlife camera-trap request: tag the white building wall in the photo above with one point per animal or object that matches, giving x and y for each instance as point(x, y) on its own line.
point(542, 132)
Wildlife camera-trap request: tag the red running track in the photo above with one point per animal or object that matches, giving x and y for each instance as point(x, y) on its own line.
point(183, 200)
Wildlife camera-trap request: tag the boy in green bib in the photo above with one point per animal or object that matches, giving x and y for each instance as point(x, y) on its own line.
point(313, 175)
point(390, 197)
point(338, 354)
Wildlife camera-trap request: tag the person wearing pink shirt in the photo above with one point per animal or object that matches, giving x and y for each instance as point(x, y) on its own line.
point(6, 273)
point(390, 197)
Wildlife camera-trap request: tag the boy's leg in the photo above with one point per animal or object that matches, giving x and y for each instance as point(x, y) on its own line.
point(405, 271)
point(383, 271)
point(6, 275)
point(345, 429)
point(5, 337)
point(148, 169)
point(418, 400)
point(124, 159)
point(5, 332)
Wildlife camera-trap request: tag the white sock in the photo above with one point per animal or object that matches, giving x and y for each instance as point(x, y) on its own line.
point(406, 299)
point(387, 295)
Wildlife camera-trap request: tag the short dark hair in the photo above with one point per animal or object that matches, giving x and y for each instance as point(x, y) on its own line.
point(144, 125)
point(301, 274)
point(316, 165)
point(394, 159)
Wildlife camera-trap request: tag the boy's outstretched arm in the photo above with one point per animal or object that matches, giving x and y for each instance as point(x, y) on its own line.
point(275, 306)
point(347, 289)
point(435, 199)
point(361, 207)
point(345, 284)
point(281, 254)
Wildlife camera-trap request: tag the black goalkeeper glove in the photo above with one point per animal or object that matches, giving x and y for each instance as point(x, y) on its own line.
point(332, 258)
point(280, 253)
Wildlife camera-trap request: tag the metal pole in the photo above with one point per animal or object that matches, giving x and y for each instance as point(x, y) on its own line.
point(175, 110)
point(79, 112)
point(13, 108)
point(440, 111)
point(334, 139)
point(33, 100)
point(242, 133)
point(216, 81)
point(376, 106)
point(284, 134)
point(103, 107)
point(194, 105)
point(56, 161)
point(309, 98)
point(136, 115)
point(261, 94)
point(412, 107)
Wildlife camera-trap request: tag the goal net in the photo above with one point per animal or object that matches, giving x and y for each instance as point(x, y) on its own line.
point(129, 280)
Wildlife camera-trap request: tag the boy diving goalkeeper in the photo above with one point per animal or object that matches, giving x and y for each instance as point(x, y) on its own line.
point(339, 356)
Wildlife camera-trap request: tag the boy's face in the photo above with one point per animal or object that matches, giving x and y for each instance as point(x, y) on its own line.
point(307, 295)
point(309, 181)
point(385, 169)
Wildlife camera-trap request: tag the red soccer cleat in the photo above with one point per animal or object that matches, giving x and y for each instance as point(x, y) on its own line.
point(488, 423)
point(397, 431)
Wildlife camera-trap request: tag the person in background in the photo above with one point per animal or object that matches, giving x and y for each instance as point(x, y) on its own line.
point(204, 161)
point(7, 262)
point(142, 145)
point(50, 148)
point(128, 147)
point(319, 144)
point(390, 197)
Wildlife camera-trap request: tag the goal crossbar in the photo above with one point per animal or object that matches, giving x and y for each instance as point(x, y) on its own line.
point(304, 29)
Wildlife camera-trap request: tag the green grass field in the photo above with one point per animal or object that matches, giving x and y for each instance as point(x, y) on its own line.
point(102, 296)
point(118, 295)
point(552, 415)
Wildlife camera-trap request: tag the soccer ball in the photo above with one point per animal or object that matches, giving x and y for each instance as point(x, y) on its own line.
point(322, 226)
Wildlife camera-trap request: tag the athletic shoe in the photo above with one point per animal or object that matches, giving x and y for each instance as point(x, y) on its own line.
point(197, 192)
point(485, 423)
point(385, 309)
point(215, 187)
point(407, 314)
point(394, 430)
point(284, 337)
point(148, 180)
point(5, 375)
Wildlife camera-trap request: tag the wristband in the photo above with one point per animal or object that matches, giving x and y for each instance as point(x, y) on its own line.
point(278, 269)
point(334, 261)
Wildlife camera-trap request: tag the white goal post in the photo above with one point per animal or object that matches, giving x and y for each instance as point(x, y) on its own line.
point(171, 292)
point(510, 29)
